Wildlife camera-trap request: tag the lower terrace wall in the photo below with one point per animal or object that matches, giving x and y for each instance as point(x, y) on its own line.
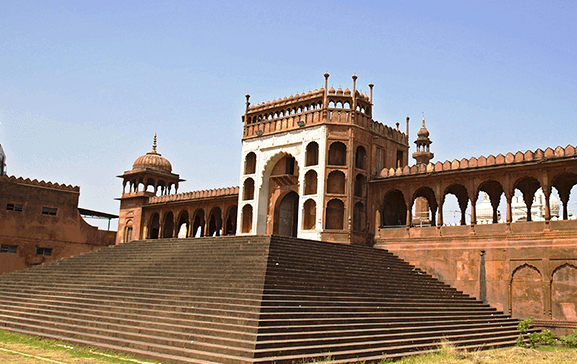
point(40, 222)
point(26, 252)
point(526, 269)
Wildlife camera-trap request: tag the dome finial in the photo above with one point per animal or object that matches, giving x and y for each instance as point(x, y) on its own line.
point(423, 119)
point(154, 144)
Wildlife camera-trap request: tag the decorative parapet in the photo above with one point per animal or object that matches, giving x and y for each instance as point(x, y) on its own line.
point(303, 99)
point(305, 109)
point(284, 114)
point(194, 195)
point(464, 164)
point(387, 131)
point(36, 183)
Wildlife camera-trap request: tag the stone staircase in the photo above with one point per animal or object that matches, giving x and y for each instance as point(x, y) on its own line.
point(256, 299)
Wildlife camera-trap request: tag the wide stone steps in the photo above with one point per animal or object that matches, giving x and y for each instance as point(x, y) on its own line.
point(283, 298)
point(118, 333)
point(230, 329)
point(166, 354)
point(242, 319)
point(345, 328)
point(205, 306)
point(246, 300)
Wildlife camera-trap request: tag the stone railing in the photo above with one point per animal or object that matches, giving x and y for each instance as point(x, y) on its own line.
point(284, 123)
point(195, 195)
point(300, 110)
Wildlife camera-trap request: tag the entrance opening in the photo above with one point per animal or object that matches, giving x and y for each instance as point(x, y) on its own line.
point(154, 227)
point(230, 226)
point(288, 215)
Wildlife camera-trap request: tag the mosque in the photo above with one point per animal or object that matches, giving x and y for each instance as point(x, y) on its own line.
point(317, 166)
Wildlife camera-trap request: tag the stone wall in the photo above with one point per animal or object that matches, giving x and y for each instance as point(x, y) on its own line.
point(40, 222)
point(526, 269)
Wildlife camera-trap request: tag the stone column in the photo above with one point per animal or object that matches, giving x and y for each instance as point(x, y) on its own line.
point(547, 193)
point(160, 227)
point(474, 211)
point(409, 217)
point(509, 213)
point(440, 216)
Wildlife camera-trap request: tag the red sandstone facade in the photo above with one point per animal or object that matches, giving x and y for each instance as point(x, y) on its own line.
point(526, 268)
point(40, 222)
point(316, 165)
point(149, 211)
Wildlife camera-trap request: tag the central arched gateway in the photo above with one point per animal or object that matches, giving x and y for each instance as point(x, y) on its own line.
point(288, 215)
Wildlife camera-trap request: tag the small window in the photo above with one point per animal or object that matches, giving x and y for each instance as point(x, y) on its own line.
point(250, 163)
point(400, 158)
point(14, 207)
point(290, 166)
point(49, 211)
point(44, 251)
point(8, 249)
point(312, 154)
point(128, 235)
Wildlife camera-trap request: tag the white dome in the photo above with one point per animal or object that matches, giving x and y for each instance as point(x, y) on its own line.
point(484, 212)
point(519, 209)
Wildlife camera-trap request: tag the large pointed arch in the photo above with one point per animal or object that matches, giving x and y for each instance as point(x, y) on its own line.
point(168, 225)
point(286, 215)
point(527, 292)
point(154, 226)
point(564, 293)
point(462, 195)
point(394, 212)
point(494, 190)
point(425, 205)
point(198, 223)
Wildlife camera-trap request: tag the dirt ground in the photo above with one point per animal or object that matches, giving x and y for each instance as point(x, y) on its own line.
point(23, 354)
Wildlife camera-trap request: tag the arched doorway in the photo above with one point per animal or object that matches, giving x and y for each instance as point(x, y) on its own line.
point(168, 226)
point(288, 215)
point(394, 210)
point(281, 185)
point(154, 228)
point(215, 222)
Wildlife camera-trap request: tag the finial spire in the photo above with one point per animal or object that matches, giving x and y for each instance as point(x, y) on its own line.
point(154, 144)
point(371, 87)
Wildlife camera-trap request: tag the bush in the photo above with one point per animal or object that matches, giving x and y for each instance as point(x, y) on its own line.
point(545, 337)
point(569, 341)
point(523, 327)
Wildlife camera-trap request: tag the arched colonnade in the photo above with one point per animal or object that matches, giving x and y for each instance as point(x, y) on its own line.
point(191, 221)
point(399, 195)
point(150, 183)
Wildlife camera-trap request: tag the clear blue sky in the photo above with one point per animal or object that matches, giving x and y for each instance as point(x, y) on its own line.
point(84, 85)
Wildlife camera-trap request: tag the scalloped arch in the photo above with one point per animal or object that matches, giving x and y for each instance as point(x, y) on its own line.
point(565, 265)
point(272, 161)
point(523, 266)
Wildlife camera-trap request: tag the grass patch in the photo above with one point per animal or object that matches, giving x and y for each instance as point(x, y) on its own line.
point(449, 354)
point(63, 352)
point(32, 349)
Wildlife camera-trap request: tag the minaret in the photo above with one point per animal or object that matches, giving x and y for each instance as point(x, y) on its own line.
point(423, 154)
